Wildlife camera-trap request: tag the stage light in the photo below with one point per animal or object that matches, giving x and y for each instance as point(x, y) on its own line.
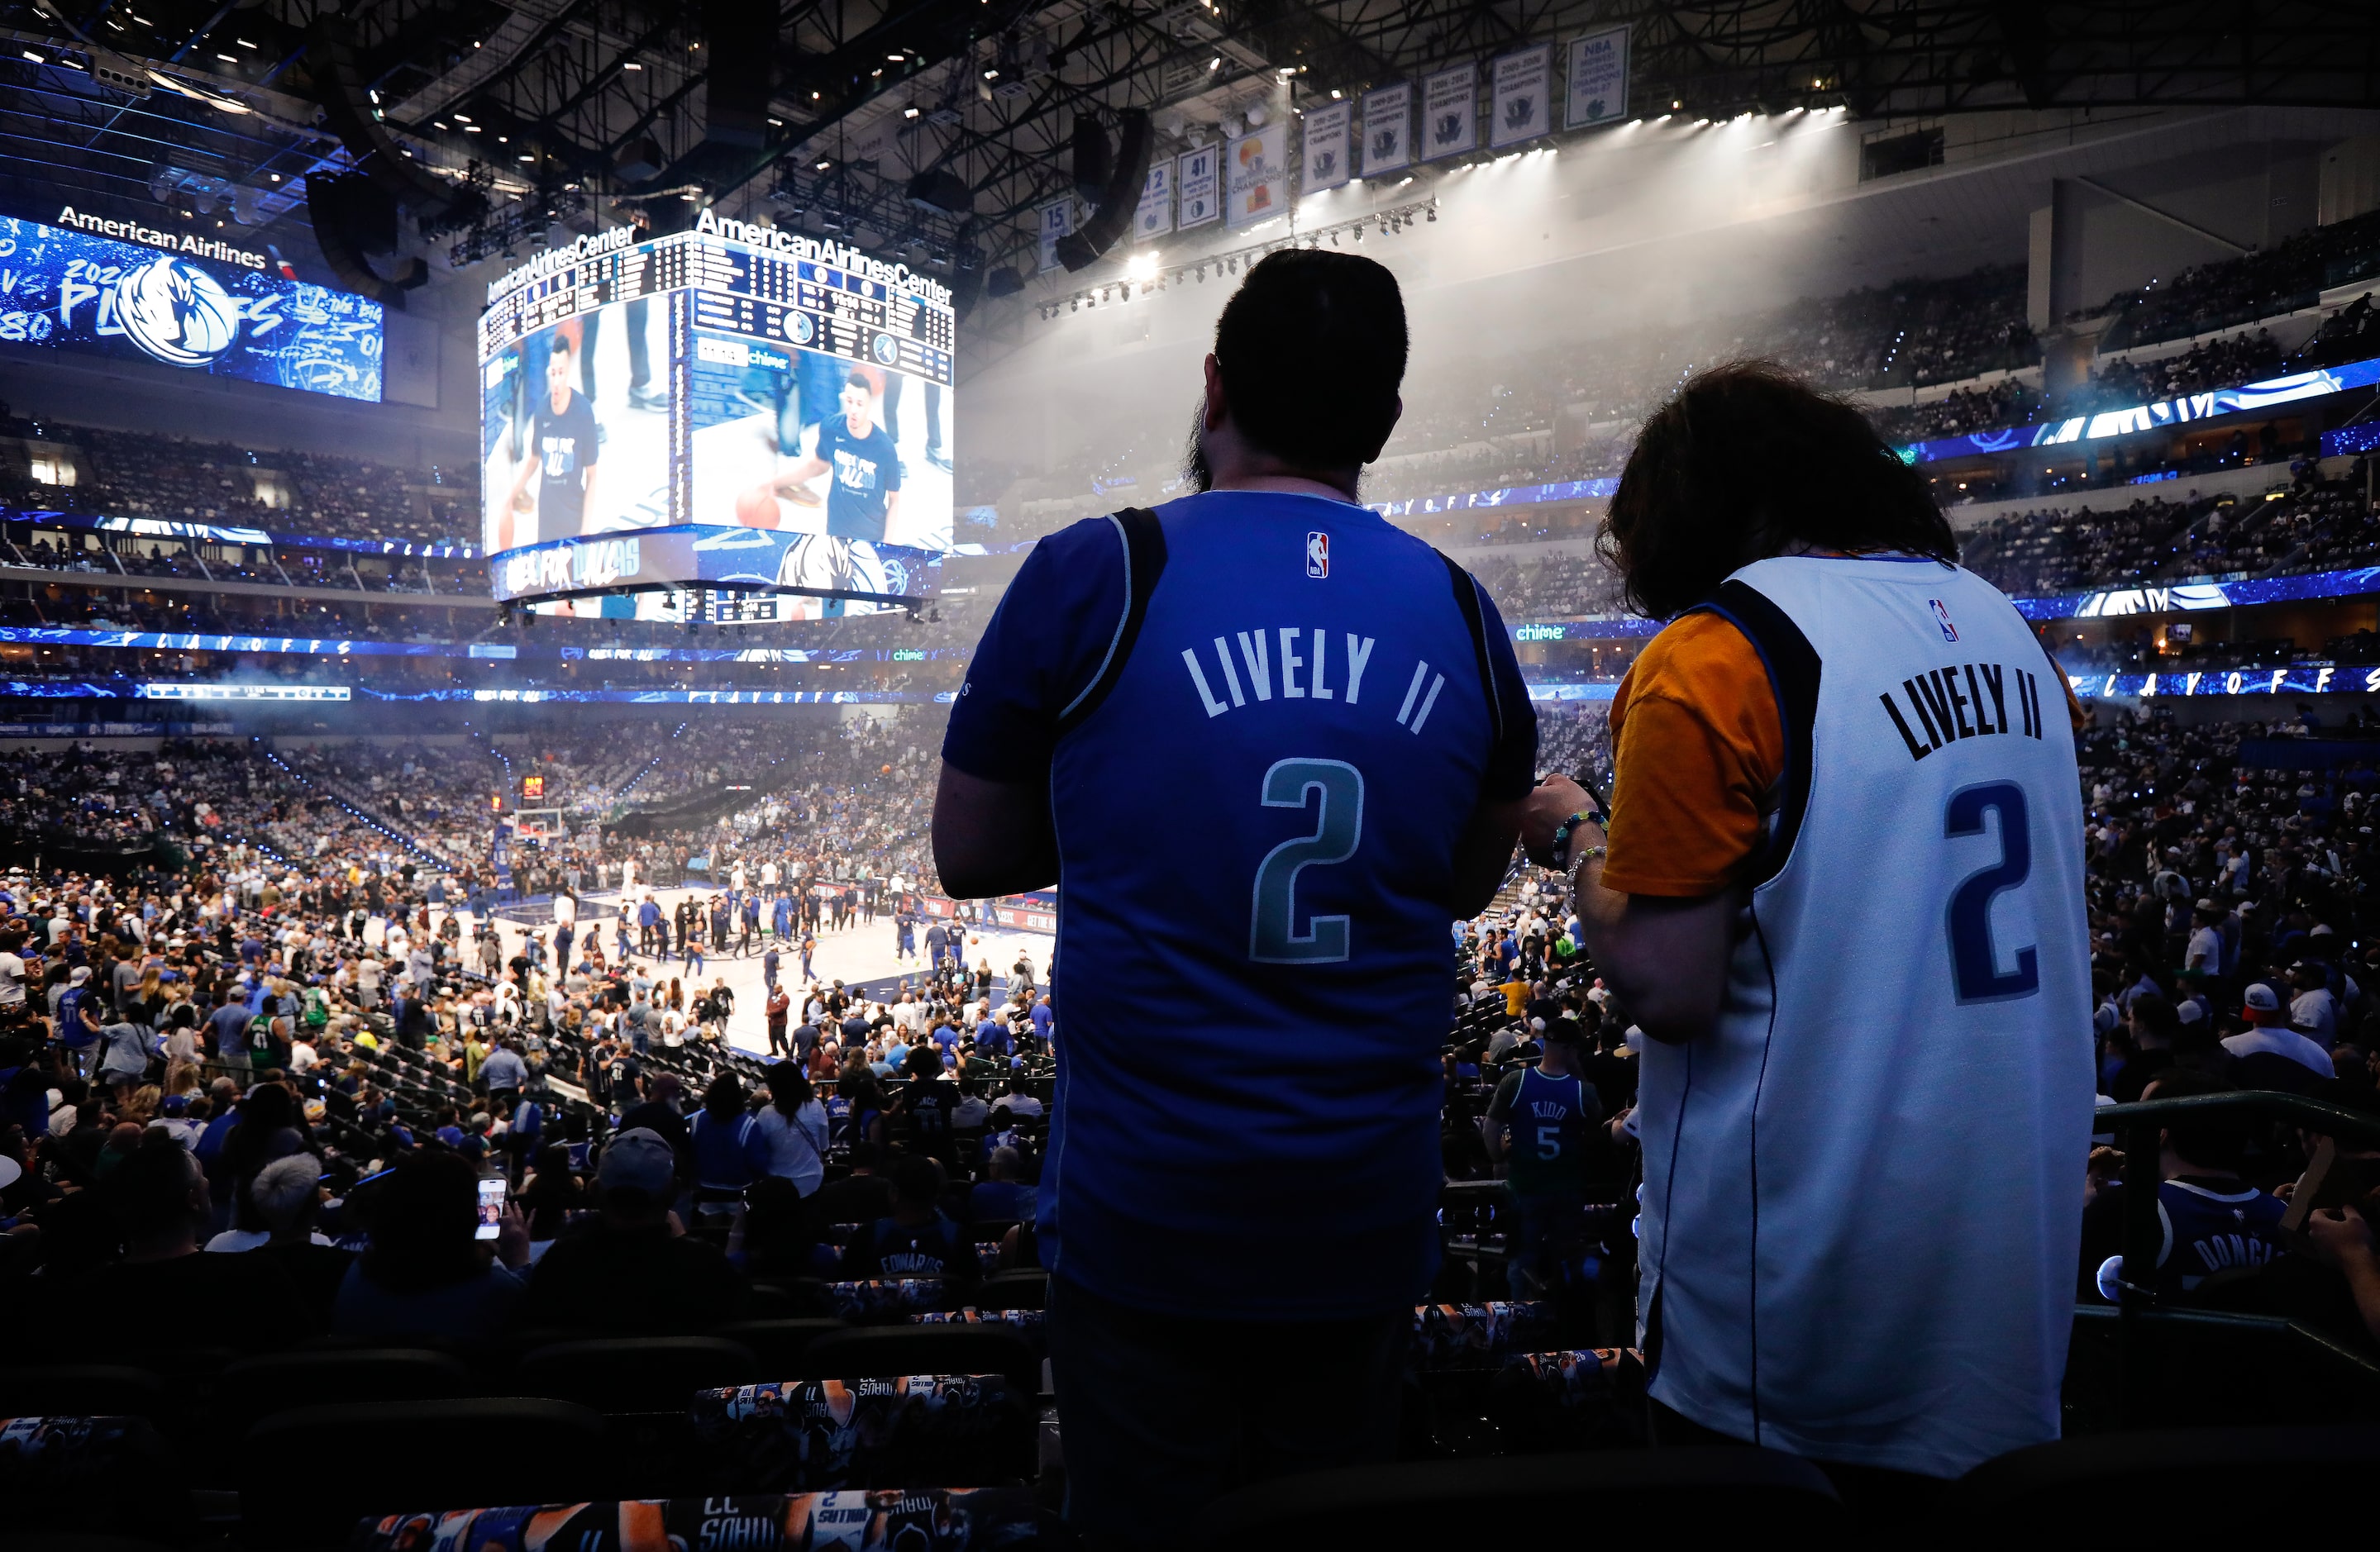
point(1143, 267)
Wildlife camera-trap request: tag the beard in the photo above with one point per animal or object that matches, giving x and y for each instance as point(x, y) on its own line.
point(1197, 472)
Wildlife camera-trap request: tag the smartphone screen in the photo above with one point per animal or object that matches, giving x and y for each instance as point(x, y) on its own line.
point(491, 1206)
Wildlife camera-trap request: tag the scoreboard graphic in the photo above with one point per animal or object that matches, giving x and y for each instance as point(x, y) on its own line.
point(730, 377)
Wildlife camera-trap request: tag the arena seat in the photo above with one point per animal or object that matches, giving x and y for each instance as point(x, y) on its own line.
point(84, 1390)
point(885, 1352)
point(1677, 1494)
point(617, 1374)
point(256, 1387)
point(375, 1457)
point(2153, 1486)
point(1028, 1288)
point(60, 1473)
point(779, 1343)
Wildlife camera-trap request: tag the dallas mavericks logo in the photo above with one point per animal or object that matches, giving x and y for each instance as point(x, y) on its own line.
point(1318, 554)
point(1326, 163)
point(177, 313)
point(1520, 112)
point(1384, 144)
point(1942, 618)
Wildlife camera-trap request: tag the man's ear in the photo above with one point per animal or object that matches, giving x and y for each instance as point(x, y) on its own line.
point(1218, 408)
point(1396, 413)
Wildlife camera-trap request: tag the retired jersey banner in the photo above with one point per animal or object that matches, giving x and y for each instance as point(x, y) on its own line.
point(1449, 112)
point(1524, 83)
point(1057, 221)
point(1387, 130)
point(1195, 186)
point(1154, 217)
point(1325, 147)
point(1599, 80)
point(1258, 166)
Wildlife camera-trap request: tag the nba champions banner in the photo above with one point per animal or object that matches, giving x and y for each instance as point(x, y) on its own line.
point(178, 299)
point(1387, 130)
point(1449, 112)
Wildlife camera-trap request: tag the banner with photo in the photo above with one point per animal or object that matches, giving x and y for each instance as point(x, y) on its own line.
point(1387, 130)
point(1057, 221)
point(1599, 80)
point(1154, 217)
point(1524, 83)
point(1325, 147)
point(1449, 112)
point(1195, 186)
point(1259, 175)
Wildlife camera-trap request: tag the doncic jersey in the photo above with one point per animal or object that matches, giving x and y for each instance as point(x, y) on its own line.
point(1265, 721)
point(1859, 1233)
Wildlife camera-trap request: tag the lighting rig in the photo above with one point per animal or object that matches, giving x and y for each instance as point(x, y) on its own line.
point(1143, 274)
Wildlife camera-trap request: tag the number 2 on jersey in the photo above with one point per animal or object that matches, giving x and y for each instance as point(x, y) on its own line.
point(1338, 826)
point(1975, 962)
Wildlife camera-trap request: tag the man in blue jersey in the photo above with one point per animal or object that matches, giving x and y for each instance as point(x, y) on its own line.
point(1266, 745)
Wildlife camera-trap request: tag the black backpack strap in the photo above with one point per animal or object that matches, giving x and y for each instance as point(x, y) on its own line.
point(1143, 538)
point(1793, 668)
point(1466, 598)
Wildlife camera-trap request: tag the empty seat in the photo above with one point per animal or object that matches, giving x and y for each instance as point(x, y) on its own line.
point(779, 1344)
point(887, 1352)
point(2153, 1486)
point(635, 1374)
point(1678, 1494)
point(1024, 1289)
point(389, 1457)
point(256, 1387)
point(82, 1390)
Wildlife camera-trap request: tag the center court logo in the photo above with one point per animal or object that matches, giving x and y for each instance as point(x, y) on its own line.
point(1942, 618)
point(1318, 554)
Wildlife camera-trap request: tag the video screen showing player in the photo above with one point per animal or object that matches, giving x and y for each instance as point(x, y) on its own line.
point(574, 428)
point(802, 441)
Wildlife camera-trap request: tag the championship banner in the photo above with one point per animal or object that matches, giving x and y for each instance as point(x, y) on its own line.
point(1524, 83)
point(1258, 166)
point(1599, 80)
point(1154, 217)
point(1057, 221)
point(1325, 147)
point(1194, 184)
point(1449, 112)
point(1387, 130)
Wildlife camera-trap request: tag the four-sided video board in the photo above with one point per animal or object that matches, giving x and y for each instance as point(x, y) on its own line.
point(732, 406)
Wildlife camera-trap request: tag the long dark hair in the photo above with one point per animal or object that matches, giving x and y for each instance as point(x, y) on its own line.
point(422, 1216)
point(1748, 461)
point(789, 1089)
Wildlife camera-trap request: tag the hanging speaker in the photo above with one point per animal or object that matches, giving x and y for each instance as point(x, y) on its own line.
point(740, 36)
point(1092, 163)
point(1118, 199)
point(346, 102)
point(352, 215)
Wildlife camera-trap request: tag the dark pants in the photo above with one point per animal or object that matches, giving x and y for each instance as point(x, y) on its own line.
point(1162, 1414)
point(1875, 1495)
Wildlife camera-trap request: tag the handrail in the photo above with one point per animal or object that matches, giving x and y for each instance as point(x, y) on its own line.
point(2136, 1126)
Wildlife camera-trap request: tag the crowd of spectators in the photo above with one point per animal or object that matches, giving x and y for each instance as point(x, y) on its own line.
point(143, 474)
point(2291, 274)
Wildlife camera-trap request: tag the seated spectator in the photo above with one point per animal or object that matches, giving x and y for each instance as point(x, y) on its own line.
point(635, 1271)
point(2215, 1222)
point(425, 1275)
point(861, 1197)
point(286, 1195)
point(552, 1193)
point(777, 1237)
point(917, 1239)
point(161, 1288)
point(999, 1196)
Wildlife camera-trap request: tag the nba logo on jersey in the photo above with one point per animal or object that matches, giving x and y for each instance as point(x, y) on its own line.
point(1318, 554)
point(1942, 618)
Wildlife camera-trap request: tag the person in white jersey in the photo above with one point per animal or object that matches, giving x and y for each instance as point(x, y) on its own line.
point(1841, 893)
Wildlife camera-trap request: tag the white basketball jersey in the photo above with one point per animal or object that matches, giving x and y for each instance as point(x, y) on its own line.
point(1863, 1200)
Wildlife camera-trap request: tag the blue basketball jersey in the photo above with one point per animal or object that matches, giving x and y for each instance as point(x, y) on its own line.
point(1265, 721)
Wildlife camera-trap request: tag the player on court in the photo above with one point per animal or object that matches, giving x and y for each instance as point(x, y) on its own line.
point(1841, 891)
point(1266, 745)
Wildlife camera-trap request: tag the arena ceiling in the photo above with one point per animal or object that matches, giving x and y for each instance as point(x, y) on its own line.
point(541, 105)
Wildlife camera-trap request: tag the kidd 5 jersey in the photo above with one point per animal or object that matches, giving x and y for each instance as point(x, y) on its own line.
point(1859, 1226)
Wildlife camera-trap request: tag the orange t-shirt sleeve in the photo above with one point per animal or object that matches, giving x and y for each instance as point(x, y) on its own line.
point(1699, 745)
